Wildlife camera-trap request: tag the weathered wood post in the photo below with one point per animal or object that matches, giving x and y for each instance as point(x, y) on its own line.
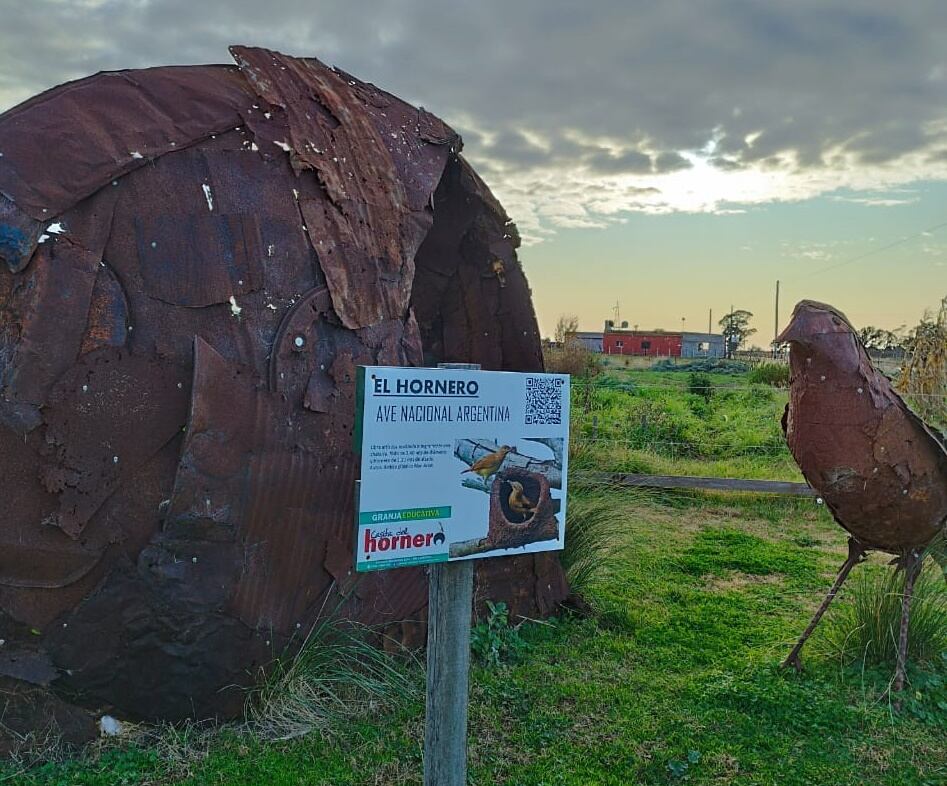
point(450, 605)
point(450, 600)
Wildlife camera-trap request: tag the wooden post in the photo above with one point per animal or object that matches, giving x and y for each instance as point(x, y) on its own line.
point(450, 599)
point(450, 602)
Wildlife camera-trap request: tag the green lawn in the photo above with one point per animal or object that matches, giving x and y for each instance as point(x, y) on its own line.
point(674, 680)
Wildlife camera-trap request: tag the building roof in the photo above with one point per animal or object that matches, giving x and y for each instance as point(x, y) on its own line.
point(702, 336)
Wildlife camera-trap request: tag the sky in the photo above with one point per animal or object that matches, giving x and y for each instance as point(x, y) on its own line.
point(673, 158)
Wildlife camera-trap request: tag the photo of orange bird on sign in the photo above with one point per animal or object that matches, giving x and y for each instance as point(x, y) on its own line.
point(490, 464)
point(518, 501)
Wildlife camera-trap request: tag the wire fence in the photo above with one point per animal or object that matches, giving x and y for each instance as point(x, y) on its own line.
point(581, 385)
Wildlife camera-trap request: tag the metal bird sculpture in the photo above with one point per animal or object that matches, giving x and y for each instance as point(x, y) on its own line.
point(490, 464)
point(880, 470)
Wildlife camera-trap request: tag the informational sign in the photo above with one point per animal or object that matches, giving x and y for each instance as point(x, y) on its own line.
point(459, 464)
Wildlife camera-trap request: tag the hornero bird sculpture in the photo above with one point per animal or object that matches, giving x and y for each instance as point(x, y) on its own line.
point(879, 468)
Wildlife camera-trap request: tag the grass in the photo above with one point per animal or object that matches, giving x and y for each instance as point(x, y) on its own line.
point(866, 626)
point(593, 547)
point(653, 412)
point(339, 674)
point(673, 679)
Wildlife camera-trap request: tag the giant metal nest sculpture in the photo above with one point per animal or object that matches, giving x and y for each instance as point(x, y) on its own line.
point(195, 261)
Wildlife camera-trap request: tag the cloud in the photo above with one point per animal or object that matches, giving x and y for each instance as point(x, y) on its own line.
point(566, 109)
point(671, 161)
point(876, 201)
point(607, 162)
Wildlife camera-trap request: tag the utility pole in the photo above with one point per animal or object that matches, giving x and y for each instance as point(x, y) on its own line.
point(776, 328)
point(710, 320)
point(728, 335)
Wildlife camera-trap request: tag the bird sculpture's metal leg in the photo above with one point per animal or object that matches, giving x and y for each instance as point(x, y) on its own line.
point(856, 554)
point(911, 563)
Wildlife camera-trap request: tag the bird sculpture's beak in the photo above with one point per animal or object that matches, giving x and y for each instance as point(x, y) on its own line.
point(792, 332)
point(811, 319)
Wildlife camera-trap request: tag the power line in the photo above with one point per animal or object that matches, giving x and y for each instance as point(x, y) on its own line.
point(860, 257)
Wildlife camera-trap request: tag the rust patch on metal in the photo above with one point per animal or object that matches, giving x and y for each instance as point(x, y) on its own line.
point(200, 260)
point(107, 324)
point(59, 282)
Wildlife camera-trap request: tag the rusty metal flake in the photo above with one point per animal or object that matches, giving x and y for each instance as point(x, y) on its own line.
point(19, 235)
point(50, 304)
point(357, 228)
point(90, 450)
point(199, 260)
point(221, 430)
point(877, 466)
point(463, 310)
point(108, 313)
point(26, 708)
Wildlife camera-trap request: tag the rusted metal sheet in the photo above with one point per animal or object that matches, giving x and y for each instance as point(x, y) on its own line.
point(177, 368)
point(879, 469)
point(363, 225)
point(67, 143)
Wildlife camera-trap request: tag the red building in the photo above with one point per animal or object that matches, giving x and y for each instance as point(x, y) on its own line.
point(655, 343)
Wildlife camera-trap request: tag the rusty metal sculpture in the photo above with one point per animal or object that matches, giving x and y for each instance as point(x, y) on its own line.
point(880, 470)
point(194, 261)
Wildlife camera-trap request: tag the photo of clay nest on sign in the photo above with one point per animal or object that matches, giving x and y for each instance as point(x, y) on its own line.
point(524, 484)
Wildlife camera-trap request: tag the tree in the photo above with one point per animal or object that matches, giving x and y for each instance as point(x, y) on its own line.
point(568, 323)
point(879, 339)
point(736, 329)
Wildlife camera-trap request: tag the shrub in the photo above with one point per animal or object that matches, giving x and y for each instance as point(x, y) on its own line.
point(704, 365)
point(574, 358)
point(699, 384)
point(593, 537)
point(923, 379)
point(494, 640)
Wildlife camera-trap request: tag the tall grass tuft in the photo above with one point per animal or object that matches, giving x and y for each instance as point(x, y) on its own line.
point(594, 534)
point(864, 625)
point(775, 374)
point(337, 675)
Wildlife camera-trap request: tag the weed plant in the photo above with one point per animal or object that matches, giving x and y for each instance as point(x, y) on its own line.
point(494, 640)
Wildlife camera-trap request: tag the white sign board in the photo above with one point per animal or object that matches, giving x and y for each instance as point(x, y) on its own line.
point(459, 464)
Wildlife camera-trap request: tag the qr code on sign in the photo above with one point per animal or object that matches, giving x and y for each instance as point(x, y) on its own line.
point(543, 401)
